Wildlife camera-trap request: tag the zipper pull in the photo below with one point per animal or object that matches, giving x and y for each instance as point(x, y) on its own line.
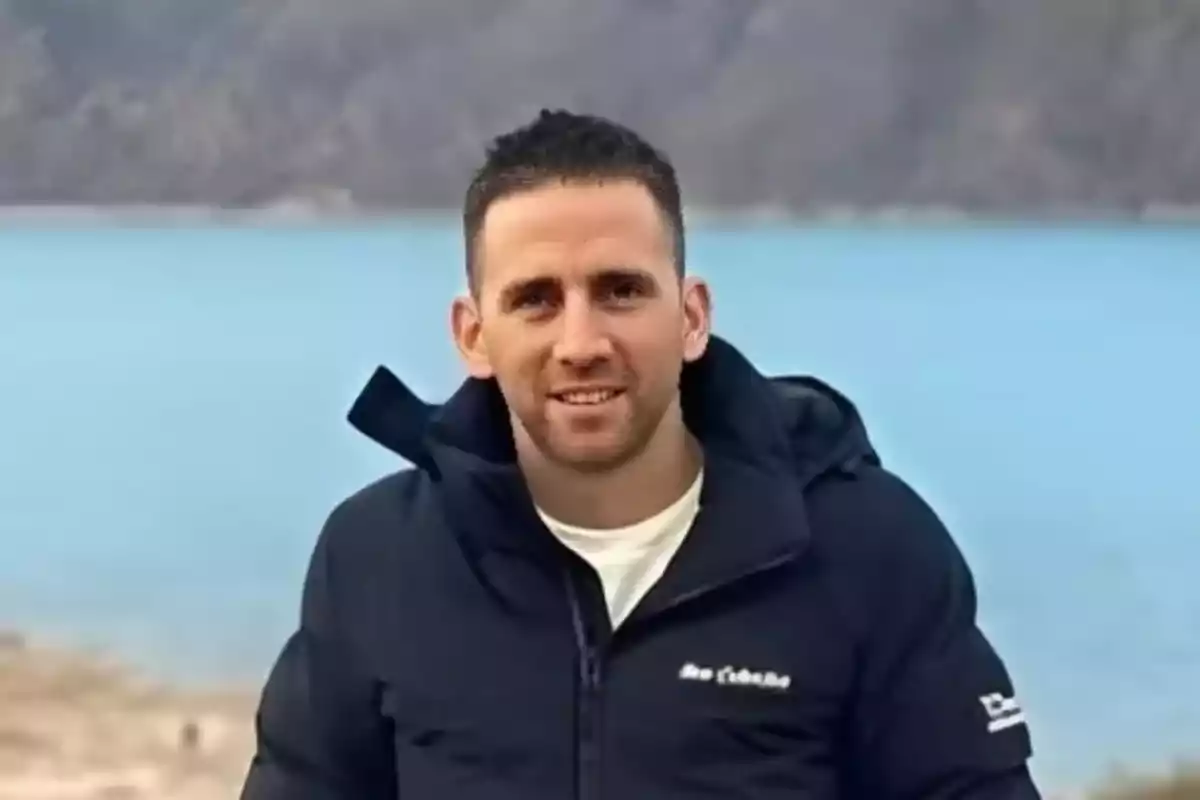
point(591, 667)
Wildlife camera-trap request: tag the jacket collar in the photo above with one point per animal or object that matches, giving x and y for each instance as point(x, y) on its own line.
point(764, 439)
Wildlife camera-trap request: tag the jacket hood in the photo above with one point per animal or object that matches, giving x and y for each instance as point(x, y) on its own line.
point(793, 421)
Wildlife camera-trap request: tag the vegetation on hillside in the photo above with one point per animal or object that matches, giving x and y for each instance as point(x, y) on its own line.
point(1015, 105)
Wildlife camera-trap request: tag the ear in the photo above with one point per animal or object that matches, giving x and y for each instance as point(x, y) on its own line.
point(697, 318)
point(466, 325)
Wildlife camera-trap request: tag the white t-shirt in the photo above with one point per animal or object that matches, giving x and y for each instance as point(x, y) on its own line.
point(630, 560)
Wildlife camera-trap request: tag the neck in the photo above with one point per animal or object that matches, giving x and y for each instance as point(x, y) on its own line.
point(637, 490)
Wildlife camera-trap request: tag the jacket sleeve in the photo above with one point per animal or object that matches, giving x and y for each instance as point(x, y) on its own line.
point(936, 716)
point(320, 733)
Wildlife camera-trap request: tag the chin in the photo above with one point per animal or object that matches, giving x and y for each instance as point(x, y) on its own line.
point(589, 458)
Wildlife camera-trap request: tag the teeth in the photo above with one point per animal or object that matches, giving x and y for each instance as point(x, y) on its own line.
point(587, 398)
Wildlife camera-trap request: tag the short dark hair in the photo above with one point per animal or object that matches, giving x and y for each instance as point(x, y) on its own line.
point(560, 145)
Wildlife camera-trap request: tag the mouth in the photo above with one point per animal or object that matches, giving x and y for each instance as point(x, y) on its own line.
point(587, 397)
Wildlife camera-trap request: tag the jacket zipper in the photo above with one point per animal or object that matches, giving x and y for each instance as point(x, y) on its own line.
point(587, 738)
point(591, 676)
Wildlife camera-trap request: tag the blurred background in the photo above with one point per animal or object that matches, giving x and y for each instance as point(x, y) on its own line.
point(977, 218)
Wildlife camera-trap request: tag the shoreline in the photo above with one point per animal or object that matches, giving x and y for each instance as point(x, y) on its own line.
point(77, 725)
point(301, 213)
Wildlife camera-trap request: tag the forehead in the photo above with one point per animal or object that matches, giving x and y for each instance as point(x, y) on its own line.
point(568, 230)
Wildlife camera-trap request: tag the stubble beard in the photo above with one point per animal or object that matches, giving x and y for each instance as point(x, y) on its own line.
point(639, 429)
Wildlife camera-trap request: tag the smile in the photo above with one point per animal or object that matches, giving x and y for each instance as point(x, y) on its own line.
point(587, 397)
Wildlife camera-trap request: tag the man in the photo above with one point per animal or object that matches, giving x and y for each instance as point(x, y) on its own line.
point(624, 563)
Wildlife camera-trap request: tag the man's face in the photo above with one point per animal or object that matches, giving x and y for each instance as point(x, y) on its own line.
point(580, 316)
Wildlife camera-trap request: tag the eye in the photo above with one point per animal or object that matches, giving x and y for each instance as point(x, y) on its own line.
point(529, 300)
point(624, 289)
point(534, 297)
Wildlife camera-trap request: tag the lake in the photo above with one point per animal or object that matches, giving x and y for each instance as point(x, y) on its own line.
point(172, 434)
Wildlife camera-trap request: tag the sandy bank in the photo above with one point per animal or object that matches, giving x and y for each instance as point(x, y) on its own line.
point(73, 728)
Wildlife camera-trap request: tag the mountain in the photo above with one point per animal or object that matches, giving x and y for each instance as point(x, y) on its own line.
point(1007, 106)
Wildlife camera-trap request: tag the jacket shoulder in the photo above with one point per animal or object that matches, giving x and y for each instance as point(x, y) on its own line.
point(383, 502)
point(872, 512)
point(885, 548)
point(369, 531)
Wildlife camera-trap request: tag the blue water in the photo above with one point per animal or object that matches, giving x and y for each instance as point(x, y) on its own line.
point(172, 434)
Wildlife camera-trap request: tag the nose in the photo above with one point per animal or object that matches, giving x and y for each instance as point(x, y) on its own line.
point(582, 339)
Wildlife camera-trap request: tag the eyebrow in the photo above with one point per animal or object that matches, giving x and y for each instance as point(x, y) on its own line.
point(615, 274)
